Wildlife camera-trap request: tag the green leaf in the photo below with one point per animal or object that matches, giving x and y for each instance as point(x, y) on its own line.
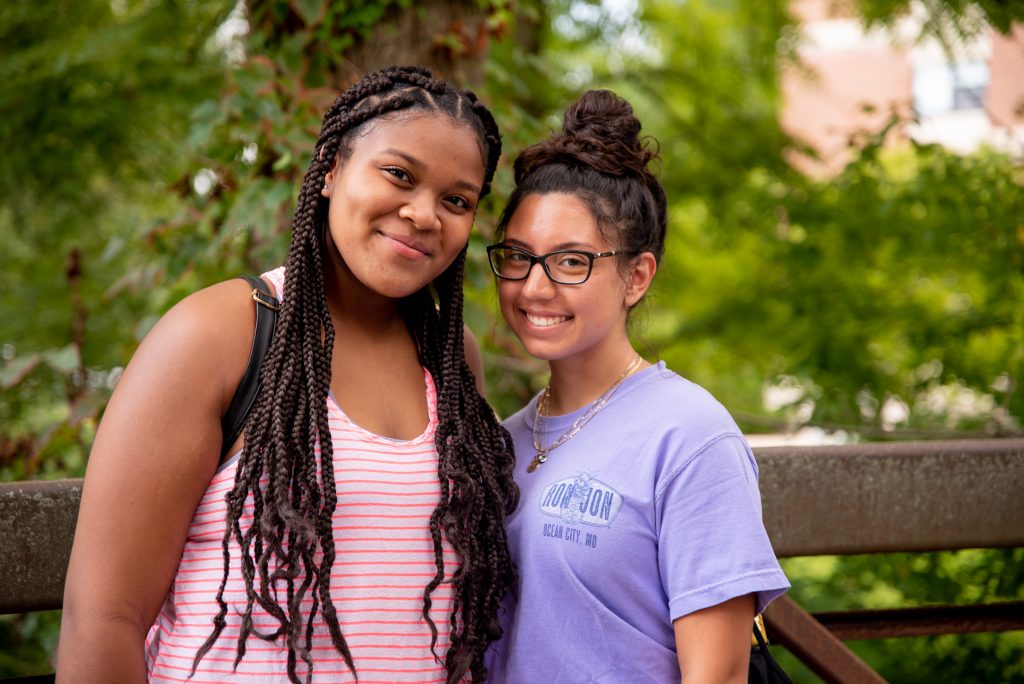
point(17, 368)
point(63, 360)
point(311, 11)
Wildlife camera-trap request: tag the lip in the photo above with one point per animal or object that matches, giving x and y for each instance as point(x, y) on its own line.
point(408, 247)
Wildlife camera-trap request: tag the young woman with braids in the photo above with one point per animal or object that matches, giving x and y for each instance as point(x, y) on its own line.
point(385, 561)
point(639, 542)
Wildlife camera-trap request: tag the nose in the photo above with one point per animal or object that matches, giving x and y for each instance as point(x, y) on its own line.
point(421, 210)
point(537, 283)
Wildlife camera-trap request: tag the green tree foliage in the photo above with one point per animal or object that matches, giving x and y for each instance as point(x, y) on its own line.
point(945, 18)
point(94, 97)
point(903, 277)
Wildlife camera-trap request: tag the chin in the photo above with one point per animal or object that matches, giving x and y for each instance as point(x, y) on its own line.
point(400, 292)
point(544, 351)
point(396, 288)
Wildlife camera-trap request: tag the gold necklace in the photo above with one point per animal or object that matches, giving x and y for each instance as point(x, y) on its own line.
point(541, 415)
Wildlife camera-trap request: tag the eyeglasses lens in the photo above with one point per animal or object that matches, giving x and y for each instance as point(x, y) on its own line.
point(568, 268)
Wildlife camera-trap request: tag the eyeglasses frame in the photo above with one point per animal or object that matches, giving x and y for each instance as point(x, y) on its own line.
point(542, 259)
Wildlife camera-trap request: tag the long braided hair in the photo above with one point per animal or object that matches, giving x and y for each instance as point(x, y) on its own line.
point(294, 505)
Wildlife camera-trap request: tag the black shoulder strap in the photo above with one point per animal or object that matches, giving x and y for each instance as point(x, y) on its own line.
point(266, 318)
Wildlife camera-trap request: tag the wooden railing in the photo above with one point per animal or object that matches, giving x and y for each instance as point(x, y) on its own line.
point(875, 498)
point(854, 499)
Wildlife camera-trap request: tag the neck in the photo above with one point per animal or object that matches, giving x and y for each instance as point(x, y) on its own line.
point(577, 382)
point(351, 304)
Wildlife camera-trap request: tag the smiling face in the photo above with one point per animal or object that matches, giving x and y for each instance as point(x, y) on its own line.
point(585, 322)
point(402, 202)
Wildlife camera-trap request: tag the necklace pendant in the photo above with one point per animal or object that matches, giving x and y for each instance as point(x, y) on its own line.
point(537, 460)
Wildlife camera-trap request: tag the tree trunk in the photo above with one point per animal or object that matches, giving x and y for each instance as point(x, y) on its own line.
point(450, 36)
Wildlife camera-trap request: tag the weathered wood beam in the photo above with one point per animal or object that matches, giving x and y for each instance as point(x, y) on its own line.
point(877, 498)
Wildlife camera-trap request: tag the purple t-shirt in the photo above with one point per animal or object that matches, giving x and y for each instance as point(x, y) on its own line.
point(649, 513)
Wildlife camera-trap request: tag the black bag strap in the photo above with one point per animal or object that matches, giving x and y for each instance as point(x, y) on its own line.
point(768, 668)
point(758, 633)
point(266, 319)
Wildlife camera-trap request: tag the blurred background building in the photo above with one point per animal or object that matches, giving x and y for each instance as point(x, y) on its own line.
point(962, 92)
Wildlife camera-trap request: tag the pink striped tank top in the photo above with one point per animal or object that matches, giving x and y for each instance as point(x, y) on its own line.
point(387, 490)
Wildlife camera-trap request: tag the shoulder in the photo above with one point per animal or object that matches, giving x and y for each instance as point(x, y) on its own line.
point(205, 337)
point(663, 397)
point(683, 424)
point(215, 314)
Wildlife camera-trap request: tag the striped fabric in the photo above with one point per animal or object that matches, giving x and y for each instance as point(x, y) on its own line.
point(387, 490)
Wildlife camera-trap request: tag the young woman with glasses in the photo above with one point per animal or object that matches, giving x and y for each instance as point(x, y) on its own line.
point(641, 552)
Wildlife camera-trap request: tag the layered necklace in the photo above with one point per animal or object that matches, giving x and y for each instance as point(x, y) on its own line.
point(542, 413)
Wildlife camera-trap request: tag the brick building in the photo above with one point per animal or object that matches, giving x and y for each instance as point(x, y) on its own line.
point(853, 80)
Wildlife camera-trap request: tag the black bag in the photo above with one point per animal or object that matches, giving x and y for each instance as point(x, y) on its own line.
point(763, 668)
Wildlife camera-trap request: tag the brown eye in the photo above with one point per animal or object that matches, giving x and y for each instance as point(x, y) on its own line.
point(399, 173)
point(459, 202)
point(514, 256)
point(572, 261)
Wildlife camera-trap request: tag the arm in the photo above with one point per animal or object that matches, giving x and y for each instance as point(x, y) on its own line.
point(154, 455)
point(714, 643)
point(715, 558)
point(474, 359)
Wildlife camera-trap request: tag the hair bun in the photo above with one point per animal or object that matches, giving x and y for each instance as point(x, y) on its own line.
point(602, 114)
point(599, 130)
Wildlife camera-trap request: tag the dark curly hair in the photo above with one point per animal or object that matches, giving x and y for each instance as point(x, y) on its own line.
point(293, 509)
point(600, 157)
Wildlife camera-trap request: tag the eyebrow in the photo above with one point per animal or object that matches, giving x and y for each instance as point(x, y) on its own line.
point(413, 161)
point(573, 246)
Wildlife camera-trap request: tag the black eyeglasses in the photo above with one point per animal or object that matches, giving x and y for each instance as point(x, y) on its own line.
point(565, 266)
